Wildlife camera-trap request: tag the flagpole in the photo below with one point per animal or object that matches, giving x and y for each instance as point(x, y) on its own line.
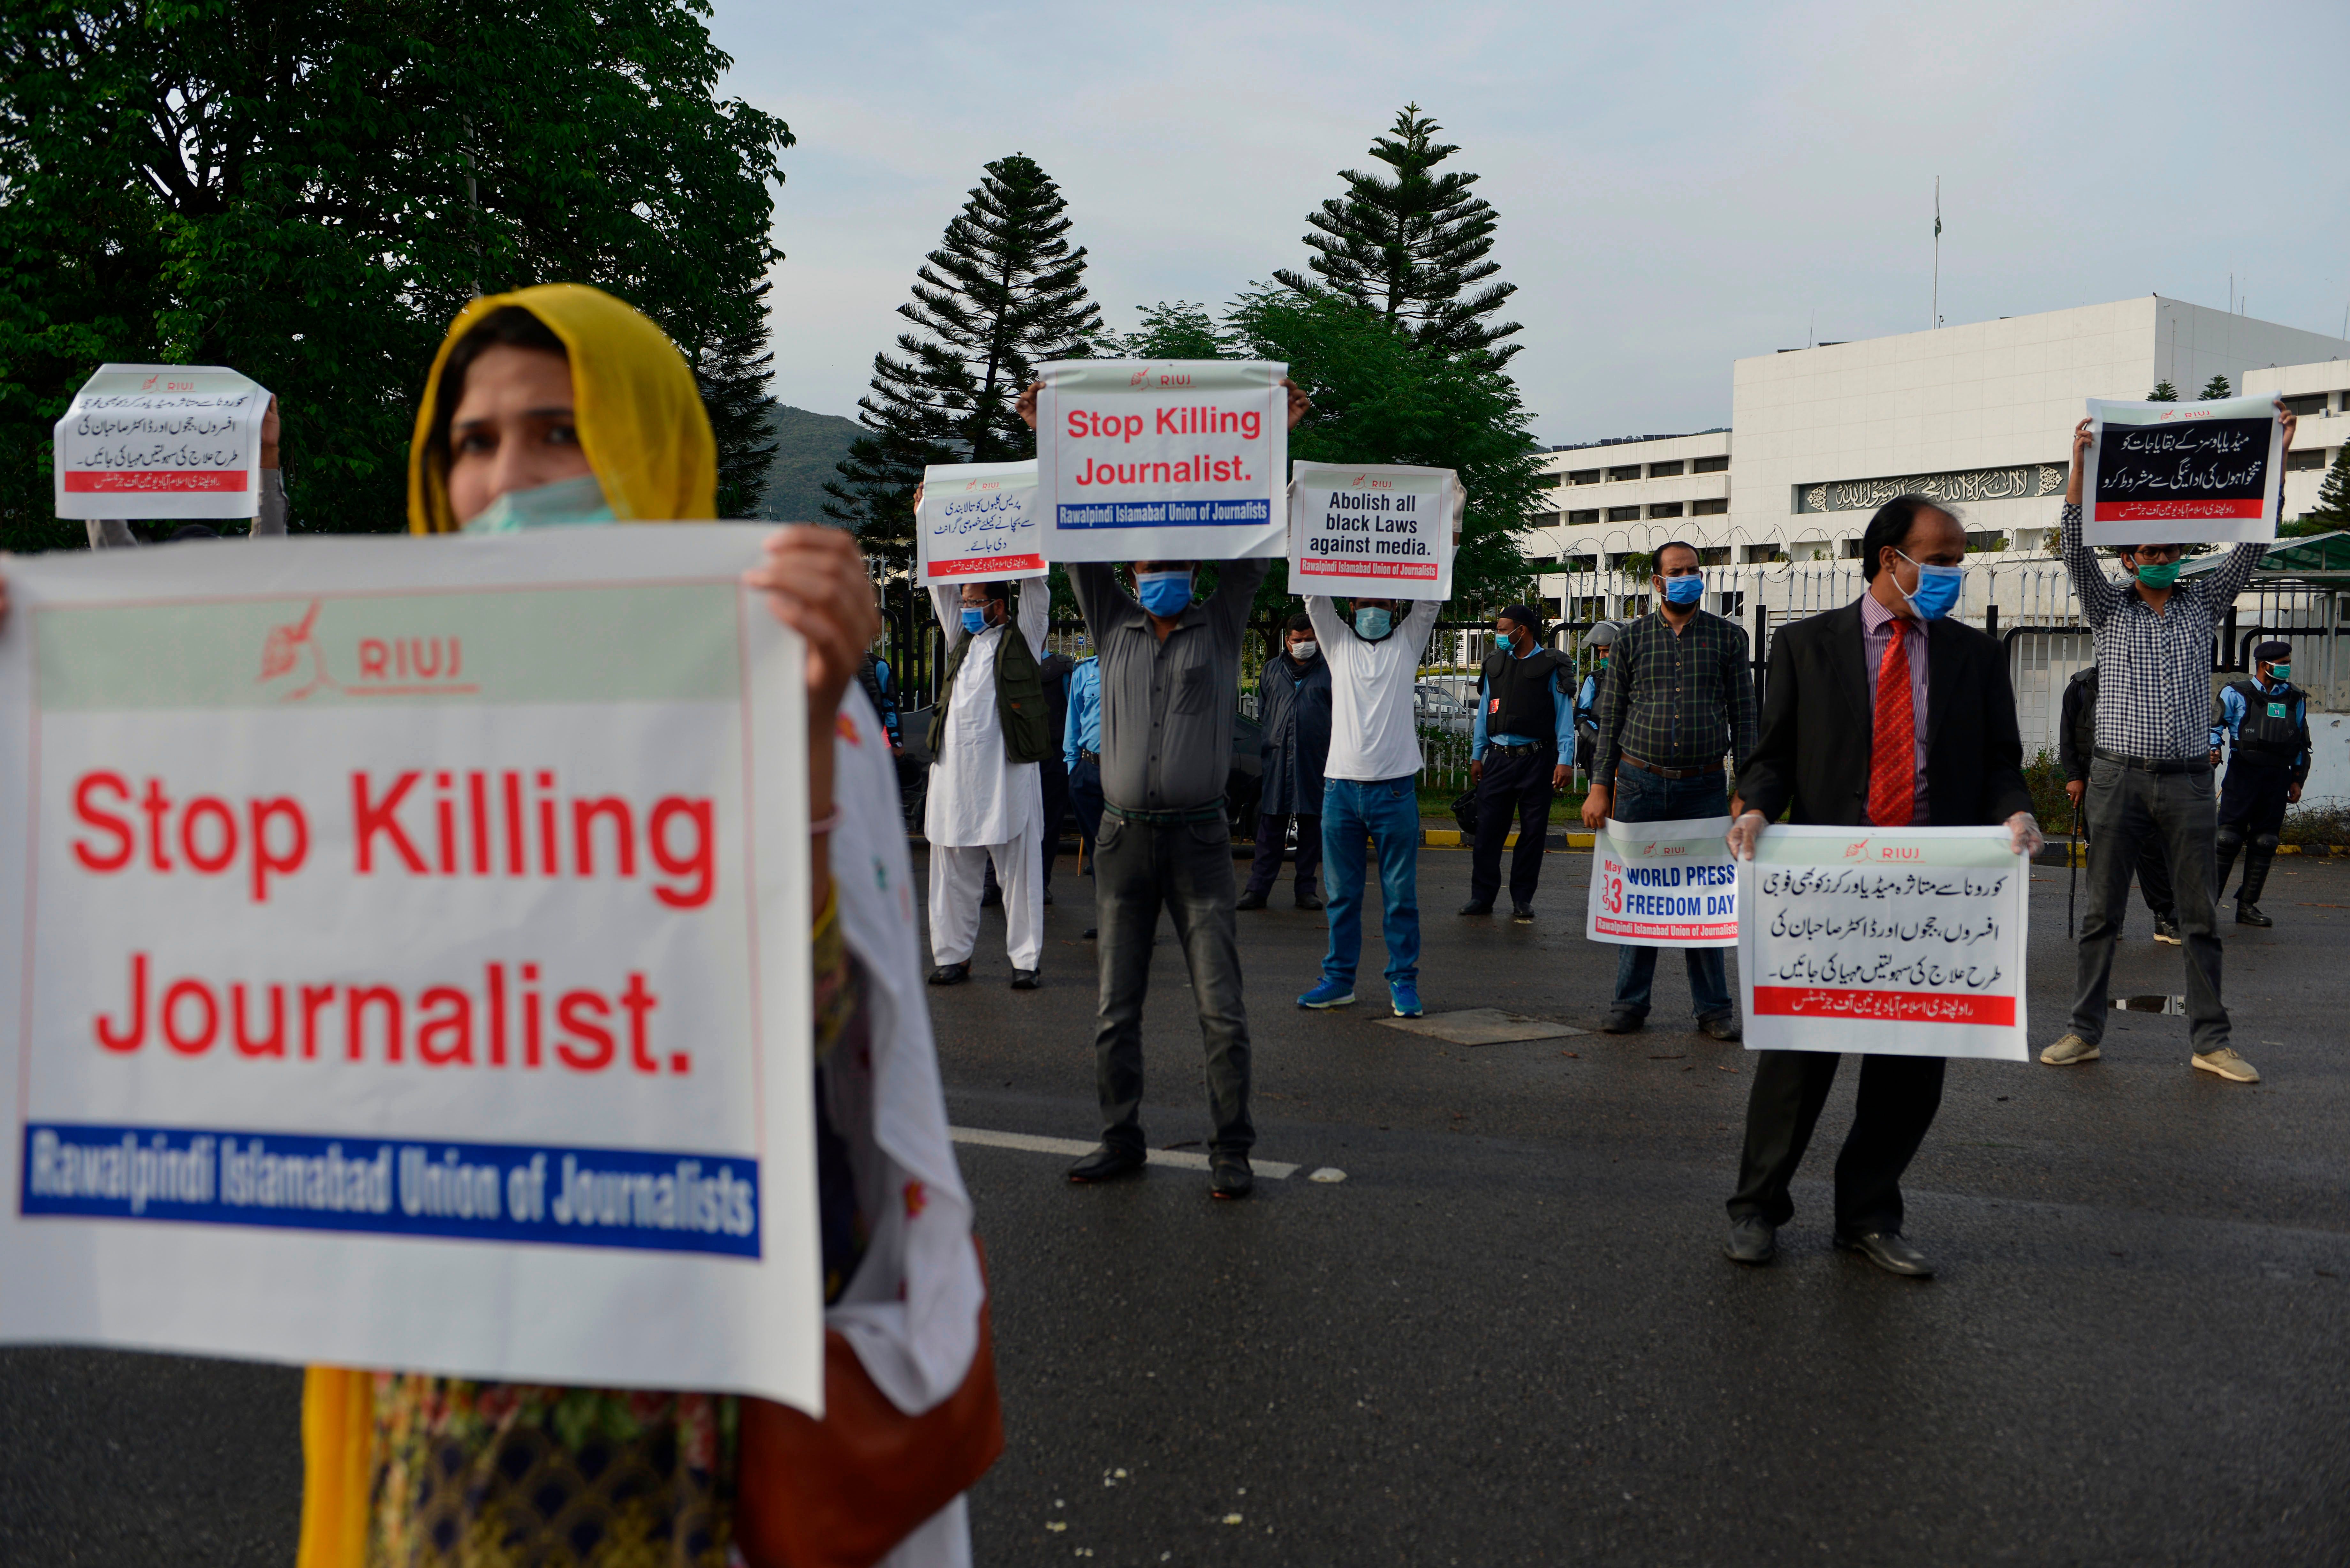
point(1938, 252)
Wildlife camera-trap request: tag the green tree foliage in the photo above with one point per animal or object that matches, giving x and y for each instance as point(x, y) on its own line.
point(1004, 293)
point(2333, 509)
point(1414, 248)
point(2164, 392)
point(2213, 389)
point(309, 193)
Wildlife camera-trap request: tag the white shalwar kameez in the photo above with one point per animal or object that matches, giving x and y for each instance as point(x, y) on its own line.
point(982, 805)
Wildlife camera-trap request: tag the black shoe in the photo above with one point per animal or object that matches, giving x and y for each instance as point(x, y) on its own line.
point(1092, 932)
point(1023, 979)
point(1722, 1028)
point(2167, 930)
point(1524, 914)
point(1107, 1163)
point(1230, 1177)
point(1048, 894)
point(2250, 915)
point(1251, 899)
point(1889, 1251)
point(1308, 902)
point(950, 973)
point(1622, 1023)
point(1473, 907)
point(1753, 1239)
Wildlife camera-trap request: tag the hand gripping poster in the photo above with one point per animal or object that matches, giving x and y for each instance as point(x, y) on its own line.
point(1905, 942)
point(1180, 460)
point(2177, 474)
point(407, 959)
point(161, 440)
point(978, 524)
point(1382, 530)
point(1663, 885)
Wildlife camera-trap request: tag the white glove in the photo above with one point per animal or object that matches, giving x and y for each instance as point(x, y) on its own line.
point(2023, 834)
point(1742, 834)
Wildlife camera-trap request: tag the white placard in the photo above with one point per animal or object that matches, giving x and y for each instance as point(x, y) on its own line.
point(1663, 885)
point(2177, 474)
point(411, 969)
point(978, 523)
point(1904, 941)
point(1180, 460)
point(1381, 530)
point(161, 440)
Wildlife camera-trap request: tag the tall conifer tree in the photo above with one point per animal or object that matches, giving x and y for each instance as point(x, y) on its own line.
point(1413, 247)
point(1004, 292)
point(2214, 389)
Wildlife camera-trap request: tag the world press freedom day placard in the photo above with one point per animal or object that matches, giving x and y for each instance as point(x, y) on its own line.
point(1382, 530)
point(2168, 474)
point(161, 440)
point(1164, 459)
point(1905, 942)
point(1663, 885)
point(409, 969)
point(978, 523)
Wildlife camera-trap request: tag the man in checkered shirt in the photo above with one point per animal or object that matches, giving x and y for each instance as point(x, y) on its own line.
point(2150, 772)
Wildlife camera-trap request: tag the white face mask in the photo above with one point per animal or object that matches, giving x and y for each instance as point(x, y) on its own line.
point(1301, 651)
point(565, 502)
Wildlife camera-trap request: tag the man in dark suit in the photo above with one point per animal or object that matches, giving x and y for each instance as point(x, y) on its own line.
point(1881, 713)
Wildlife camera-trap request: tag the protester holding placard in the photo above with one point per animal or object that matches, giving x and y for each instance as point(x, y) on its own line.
point(1293, 715)
point(1522, 714)
point(268, 522)
point(1678, 697)
point(2151, 772)
point(1884, 713)
point(991, 728)
point(1169, 668)
point(2077, 740)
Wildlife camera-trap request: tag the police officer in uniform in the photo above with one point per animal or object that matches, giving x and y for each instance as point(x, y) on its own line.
point(1521, 716)
point(1601, 640)
point(2266, 721)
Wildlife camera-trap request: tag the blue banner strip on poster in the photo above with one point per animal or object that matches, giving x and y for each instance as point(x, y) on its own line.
point(646, 1199)
point(1155, 513)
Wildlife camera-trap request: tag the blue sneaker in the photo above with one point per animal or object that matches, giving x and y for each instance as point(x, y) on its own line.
point(1328, 992)
point(1406, 999)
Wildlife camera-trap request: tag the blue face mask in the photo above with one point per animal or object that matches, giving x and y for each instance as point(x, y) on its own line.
point(1938, 590)
point(1163, 594)
point(568, 503)
point(975, 621)
point(1685, 591)
point(1374, 624)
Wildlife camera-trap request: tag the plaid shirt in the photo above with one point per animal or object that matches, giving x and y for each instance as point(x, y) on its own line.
point(2153, 671)
point(1675, 701)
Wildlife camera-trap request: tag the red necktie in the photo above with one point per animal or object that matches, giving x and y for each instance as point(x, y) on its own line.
point(1893, 756)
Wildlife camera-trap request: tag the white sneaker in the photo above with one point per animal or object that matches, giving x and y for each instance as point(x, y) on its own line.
point(2070, 1050)
point(2228, 1064)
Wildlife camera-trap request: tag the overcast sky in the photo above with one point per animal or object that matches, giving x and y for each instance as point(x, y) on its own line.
point(1674, 190)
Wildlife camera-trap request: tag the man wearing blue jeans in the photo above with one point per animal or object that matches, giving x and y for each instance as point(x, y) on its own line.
point(1679, 695)
point(1370, 791)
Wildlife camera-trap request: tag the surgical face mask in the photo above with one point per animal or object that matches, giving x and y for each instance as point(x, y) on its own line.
point(2159, 573)
point(1301, 651)
point(973, 620)
point(1374, 623)
point(1163, 594)
point(1938, 590)
point(568, 503)
point(1685, 591)
point(2279, 672)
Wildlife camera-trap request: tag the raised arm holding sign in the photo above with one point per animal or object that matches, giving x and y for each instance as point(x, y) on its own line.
point(2159, 473)
point(161, 440)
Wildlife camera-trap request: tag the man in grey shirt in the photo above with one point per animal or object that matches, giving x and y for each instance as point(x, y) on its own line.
point(1171, 675)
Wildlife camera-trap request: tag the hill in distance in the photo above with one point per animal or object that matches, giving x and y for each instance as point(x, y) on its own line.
point(807, 447)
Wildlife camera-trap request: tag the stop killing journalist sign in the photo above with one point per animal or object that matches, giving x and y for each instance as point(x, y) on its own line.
point(1904, 941)
point(411, 965)
point(2176, 474)
point(1162, 460)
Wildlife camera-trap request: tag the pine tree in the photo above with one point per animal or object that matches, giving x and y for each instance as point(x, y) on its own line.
point(2333, 508)
point(733, 373)
point(2214, 389)
point(1003, 293)
point(2164, 392)
point(1413, 247)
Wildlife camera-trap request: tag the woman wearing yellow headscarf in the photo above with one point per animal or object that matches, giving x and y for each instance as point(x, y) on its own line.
point(552, 406)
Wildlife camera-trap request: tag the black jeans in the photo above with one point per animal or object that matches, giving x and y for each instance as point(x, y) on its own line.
point(1086, 803)
point(1186, 869)
point(2127, 807)
point(1898, 1097)
point(1053, 780)
point(1271, 830)
point(1510, 787)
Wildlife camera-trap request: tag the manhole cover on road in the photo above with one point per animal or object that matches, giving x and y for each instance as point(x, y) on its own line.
point(1483, 1026)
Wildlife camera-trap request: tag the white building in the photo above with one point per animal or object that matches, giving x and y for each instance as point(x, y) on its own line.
point(1979, 416)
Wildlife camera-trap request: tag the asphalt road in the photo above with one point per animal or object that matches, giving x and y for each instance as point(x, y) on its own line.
point(1508, 1337)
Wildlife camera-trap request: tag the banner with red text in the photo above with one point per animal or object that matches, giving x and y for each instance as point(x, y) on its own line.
point(2182, 474)
point(161, 440)
point(1182, 460)
point(978, 523)
point(410, 966)
point(1904, 941)
point(1663, 885)
point(1382, 530)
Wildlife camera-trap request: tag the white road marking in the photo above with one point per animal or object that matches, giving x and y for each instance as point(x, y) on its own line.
point(1180, 1158)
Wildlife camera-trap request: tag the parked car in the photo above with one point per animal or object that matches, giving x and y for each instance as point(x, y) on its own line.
point(1434, 708)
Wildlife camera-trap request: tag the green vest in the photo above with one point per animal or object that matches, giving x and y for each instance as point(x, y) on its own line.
point(1020, 705)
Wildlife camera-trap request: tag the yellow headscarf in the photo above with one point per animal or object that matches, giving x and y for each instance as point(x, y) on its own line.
point(642, 423)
